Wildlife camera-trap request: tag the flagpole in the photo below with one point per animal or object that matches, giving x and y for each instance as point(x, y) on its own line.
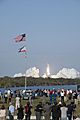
point(25, 81)
point(25, 68)
point(25, 73)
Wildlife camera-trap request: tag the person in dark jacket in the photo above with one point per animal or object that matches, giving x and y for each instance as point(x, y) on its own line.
point(20, 113)
point(71, 108)
point(39, 110)
point(56, 112)
point(47, 111)
point(27, 111)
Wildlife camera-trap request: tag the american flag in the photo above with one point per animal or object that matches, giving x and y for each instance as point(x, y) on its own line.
point(20, 38)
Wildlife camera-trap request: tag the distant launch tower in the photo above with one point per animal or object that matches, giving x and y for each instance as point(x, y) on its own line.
point(48, 71)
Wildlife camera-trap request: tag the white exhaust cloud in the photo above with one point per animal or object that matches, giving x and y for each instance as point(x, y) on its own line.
point(18, 75)
point(67, 73)
point(64, 73)
point(31, 72)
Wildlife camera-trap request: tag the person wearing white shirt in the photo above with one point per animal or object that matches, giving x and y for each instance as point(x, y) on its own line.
point(62, 96)
point(64, 112)
point(17, 102)
point(2, 113)
point(11, 112)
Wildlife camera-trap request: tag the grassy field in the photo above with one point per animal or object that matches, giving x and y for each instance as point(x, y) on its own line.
point(39, 99)
point(36, 101)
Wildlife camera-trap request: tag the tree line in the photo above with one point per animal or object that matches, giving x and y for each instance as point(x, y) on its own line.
point(20, 81)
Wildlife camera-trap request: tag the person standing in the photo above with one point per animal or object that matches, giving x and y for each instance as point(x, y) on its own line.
point(11, 111)
point(62, 96)
point(64, 112)
point(20, 113)
point(54, 97)
point(56, 112)
point(0, 95)
point(5, 97)
point(27, 111)
point(39, 110)
point(2, 113)
point(75, 97)
point(17, 102)
point(47, 111)
point(50, 96)
point(70, 111)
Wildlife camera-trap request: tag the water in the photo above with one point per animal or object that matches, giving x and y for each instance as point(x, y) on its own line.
point(57, 87)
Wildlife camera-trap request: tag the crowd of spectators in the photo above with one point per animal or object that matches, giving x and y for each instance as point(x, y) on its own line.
point(61, 104)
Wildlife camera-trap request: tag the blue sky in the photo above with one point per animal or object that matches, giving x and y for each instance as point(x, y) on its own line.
point(53, 28)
